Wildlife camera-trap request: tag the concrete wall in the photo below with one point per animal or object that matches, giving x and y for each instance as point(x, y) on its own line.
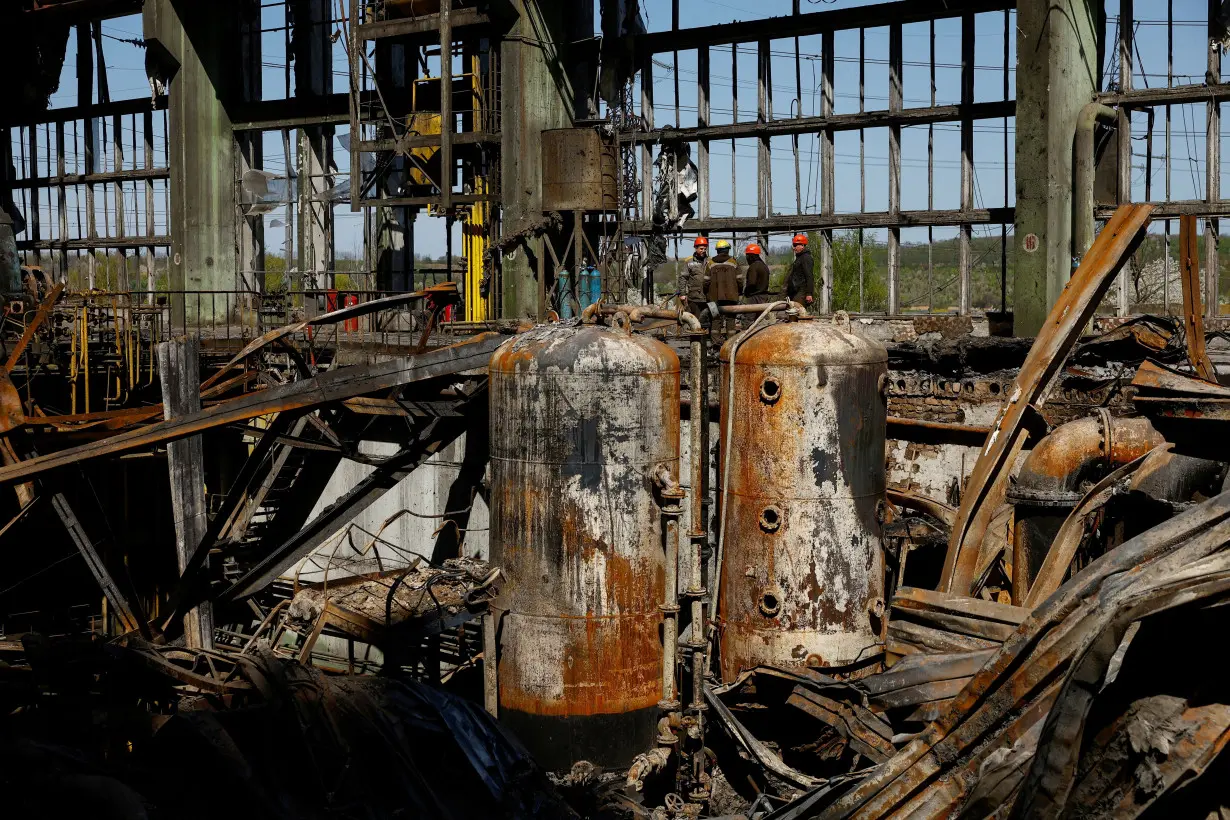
point(424, 491)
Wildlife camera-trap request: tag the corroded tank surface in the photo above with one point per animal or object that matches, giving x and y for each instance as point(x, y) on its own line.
point(802, 578)
point(580, 170)
point(581, 418)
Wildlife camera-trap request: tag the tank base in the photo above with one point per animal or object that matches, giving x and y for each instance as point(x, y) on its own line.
point(608, 741)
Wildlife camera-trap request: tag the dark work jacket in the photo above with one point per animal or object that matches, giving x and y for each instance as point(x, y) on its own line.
point(723, 285)
point(756, 287)
point(801, 281)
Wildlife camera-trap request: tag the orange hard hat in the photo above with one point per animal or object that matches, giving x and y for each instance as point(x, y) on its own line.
point(799, 239)
point(753, 248)
point(701, 242)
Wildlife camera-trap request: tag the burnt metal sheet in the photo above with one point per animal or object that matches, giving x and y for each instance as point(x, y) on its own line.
point(1076, 305)
point(1181, 560)
point(867, 734)
point(306, 394)
point(1193, 311)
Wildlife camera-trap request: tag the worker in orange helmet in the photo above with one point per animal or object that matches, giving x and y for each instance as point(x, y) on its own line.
point(800, 283)
point(691, 286)
point(756, 280)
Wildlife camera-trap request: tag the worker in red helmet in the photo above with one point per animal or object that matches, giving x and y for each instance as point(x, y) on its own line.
point(691, 286)
point(756, 280)
point(800, 283)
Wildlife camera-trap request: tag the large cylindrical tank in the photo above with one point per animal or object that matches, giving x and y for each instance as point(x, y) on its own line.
point(581, 419)
point(802, 570)
point(580, 170)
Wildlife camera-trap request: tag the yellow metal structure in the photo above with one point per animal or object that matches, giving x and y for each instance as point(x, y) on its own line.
point(474, 246)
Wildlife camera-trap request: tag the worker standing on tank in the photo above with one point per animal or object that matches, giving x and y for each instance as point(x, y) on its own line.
point(691, 286)
point(756, 280)
point(722, 282)
point(800, 283)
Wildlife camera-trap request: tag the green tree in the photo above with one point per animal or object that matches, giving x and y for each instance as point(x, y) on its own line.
point(846, 274)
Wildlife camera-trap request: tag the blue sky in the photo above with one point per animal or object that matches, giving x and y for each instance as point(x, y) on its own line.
point(126, 75)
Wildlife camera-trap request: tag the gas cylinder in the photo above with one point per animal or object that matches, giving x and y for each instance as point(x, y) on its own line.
point(802, 578)
point(582, 419)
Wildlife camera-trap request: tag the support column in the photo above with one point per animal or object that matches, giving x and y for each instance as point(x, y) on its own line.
point(250, 155)
point(1057, 74)
point(311, 45)
point(191, 46)
point(534, 98)
point(396, 69)
point(179, 373)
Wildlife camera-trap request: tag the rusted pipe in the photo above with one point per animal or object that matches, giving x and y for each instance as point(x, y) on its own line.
point(736, 310)
point(697, 535)
point(670, 609)
point(590, 314)
point(1083, 176)
point(1055, 475)
point(640, 312)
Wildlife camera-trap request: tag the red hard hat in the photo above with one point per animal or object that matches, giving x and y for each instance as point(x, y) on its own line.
point(753, 248)
point(799, 239)
point(701, 242)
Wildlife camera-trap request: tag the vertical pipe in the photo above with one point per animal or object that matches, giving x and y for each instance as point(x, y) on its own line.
point(1126, 23)
point(85, 98)
point(967, 158)
point(356, 134)
point(895, 103)
point(1169, 83)
point(646, 150)
point(675, 57)
point(862, 158)
point(827, 164)
point(734, 117)
point(762, 116)
point(1212, 170)
point(670, 610)
point(696, 532)
point(118, 163)
point(702, 120)
point(447, 125)
point(798, 112)
point(1003, 228)
point(148, 128)
point(62, 201)
point(35, 215)
point(931, 184)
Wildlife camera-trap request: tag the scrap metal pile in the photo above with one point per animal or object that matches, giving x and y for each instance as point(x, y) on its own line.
point(1060, 670)
point(775, 633)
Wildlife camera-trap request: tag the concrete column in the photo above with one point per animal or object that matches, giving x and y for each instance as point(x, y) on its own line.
point(536, 97)
point(1057, 74)
point(191, 47)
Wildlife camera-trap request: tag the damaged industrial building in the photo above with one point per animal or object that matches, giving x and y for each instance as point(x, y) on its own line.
point(613, 409)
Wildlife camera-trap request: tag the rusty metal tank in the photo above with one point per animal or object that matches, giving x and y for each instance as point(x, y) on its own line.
point(802, 579)
point(580, 170)
point(581, 420)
